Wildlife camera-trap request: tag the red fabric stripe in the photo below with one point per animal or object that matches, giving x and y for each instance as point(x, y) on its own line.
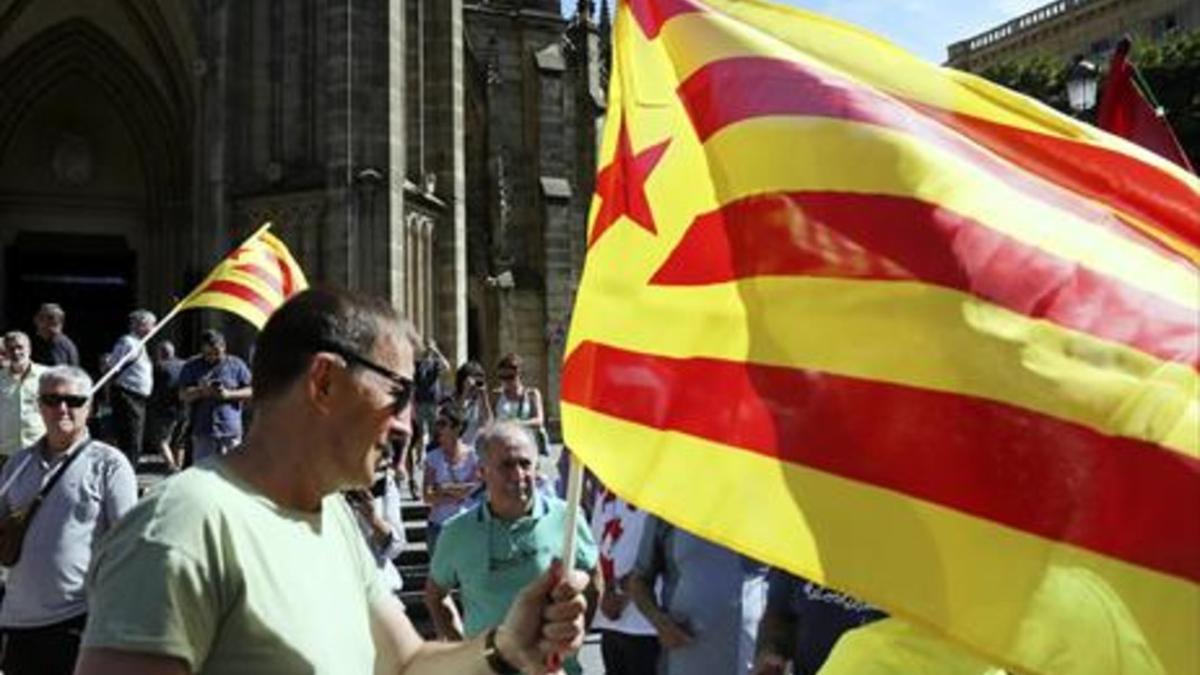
point(1122, 182)
point(733, 90)
point(259, 272)
point(286, 273)
point(1118, 497)
point(652, 14)
point(869, 236)
point(289, 277)
point(241, 292)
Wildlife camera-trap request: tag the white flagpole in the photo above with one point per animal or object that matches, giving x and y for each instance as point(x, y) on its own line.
point(574, 496)
point(133, 353)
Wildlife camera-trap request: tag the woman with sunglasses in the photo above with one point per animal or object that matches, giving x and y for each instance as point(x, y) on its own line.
point(470, 394)
point(451, 472)
point(520, 403)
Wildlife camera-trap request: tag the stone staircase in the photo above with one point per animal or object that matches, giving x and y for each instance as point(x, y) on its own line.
point(413, 564)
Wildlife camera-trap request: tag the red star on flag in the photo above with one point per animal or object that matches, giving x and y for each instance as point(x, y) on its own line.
point(622, 186)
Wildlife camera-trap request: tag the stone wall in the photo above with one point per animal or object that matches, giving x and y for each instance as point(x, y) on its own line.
point(540, 135)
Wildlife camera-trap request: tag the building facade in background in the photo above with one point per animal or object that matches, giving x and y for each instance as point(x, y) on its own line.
point(438, 153)
point(1068, 29)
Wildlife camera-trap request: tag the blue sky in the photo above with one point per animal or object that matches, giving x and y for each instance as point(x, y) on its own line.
point(923, 27)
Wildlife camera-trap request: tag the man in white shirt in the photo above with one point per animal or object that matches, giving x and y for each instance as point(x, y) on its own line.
point(20, 422)
point(131, 386)
point(628, 642)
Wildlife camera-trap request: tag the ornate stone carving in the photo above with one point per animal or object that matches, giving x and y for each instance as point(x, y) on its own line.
point(72, 161)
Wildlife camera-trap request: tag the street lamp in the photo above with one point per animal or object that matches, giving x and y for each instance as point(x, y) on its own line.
point(1081, 85)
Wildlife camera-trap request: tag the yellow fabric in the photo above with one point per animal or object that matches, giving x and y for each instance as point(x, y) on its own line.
point(755, 27)
point(938, 339)
point(893, 647)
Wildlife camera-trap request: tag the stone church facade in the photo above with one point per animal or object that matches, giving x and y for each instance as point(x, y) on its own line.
point(439, 153)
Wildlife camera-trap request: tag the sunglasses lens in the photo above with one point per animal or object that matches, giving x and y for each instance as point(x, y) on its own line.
point(53, 400)
point(400, 398)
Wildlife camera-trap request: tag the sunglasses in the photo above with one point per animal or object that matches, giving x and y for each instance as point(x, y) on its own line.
point(73, 401)
point(508, 375)
point(402, 387)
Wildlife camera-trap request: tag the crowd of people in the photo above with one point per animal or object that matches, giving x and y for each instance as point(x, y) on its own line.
point(262, 556)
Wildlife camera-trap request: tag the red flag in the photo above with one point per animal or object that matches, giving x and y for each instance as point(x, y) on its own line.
point(1124, 111)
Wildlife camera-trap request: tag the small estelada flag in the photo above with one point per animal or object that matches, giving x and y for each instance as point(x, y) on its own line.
point(252, 281)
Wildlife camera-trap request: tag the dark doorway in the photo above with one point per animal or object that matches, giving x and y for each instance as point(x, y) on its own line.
point(91, 276)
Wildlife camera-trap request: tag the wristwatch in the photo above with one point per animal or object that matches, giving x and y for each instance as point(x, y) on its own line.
point(495, 659)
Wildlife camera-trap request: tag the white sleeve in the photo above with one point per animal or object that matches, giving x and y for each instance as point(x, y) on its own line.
point(119, 350)
point(389, 503)
point(625, 549)
point(120, 489)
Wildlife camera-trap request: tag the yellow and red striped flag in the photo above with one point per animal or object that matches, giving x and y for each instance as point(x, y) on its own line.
point(252, 281)
point(898, 330)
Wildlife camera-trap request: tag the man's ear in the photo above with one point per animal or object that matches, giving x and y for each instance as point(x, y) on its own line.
point(319, 381)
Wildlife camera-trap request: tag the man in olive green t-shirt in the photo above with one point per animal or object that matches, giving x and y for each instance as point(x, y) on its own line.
point(252, 563)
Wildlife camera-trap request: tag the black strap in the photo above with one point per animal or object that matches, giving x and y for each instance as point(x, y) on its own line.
point(41, 495)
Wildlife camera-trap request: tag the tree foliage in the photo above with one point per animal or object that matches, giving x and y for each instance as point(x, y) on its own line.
point(1171, 68)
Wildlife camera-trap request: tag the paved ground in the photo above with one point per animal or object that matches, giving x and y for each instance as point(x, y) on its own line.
point(589, 656)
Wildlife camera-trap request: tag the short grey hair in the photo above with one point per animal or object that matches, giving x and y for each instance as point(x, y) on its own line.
point(71, 375)
point(504, 434)
point(16, 335)
point(52, 310)
point(140, 316)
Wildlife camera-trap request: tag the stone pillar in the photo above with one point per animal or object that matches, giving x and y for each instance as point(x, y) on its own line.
point(339, 237)
point(209, 237)
point(397, 160)
point(446, 161)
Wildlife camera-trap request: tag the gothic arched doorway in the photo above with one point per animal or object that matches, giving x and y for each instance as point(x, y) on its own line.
point(94, 162)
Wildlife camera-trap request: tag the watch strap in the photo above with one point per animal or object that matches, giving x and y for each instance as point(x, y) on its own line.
point(495, 659)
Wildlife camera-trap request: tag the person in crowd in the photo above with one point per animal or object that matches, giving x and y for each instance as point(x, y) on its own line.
point(451, 472)
point(51, 346)
point(45, 605)
point(378, 511)
point(802, 622)
point(628, 642)
point(253, 562)
point(20, 419)
point(426, 396)
point(712, 600)
point(471, 395)
point(132, 384)
point(520, 403)
point(428, 387)
point(164, 413)
point(502, 543)
point(214, 385)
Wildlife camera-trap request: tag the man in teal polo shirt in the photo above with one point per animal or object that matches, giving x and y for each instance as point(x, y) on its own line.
point(493, 550)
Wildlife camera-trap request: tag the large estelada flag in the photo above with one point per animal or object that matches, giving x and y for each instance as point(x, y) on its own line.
point(898, 330)
point(252, 281)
